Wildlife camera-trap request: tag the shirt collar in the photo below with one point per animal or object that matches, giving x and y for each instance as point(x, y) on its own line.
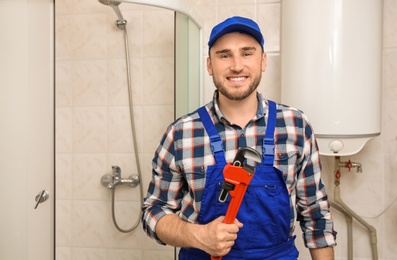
point(262, 104)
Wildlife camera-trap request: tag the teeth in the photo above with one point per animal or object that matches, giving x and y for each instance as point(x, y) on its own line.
point(237, 79)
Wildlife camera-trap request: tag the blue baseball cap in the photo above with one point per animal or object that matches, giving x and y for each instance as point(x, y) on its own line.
point(236, 24)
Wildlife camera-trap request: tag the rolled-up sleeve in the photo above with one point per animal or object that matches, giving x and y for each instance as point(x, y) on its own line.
point(164, 193)
point(312, 200)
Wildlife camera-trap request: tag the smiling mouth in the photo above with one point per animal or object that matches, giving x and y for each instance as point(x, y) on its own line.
point(237, 79)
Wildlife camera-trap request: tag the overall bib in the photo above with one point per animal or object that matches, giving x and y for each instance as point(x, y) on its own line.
point(265, 209)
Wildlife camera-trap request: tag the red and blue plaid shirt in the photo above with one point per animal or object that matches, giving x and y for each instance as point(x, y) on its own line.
point(180, 163)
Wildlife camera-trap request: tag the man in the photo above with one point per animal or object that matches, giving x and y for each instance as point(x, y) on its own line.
point(182, 207)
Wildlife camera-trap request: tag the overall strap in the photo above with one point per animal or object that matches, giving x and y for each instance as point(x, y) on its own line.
point(268, 141)
point(215, 139)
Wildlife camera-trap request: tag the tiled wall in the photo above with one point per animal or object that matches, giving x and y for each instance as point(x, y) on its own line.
point(93, 131)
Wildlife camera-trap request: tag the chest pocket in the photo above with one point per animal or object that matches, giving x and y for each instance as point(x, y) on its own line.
point(283, 160)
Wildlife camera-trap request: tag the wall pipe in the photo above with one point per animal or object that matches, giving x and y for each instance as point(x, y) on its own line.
point(349, 224)
point(341, 206)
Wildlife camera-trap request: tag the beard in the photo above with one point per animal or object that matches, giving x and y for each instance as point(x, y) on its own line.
point(236, 95)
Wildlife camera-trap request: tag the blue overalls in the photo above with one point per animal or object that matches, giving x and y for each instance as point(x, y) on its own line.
point(265, 210)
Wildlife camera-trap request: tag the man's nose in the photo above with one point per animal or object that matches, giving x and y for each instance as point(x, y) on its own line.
point(236, 64)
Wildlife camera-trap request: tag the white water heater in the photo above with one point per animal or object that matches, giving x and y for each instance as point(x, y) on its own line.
point(331, 57)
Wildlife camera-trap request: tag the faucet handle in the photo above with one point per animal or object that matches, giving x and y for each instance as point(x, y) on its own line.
point(116, 171)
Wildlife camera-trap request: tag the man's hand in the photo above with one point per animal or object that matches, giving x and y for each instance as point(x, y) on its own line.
point(216, 238)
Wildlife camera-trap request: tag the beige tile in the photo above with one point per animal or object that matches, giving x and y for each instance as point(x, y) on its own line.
point(362, 189)
point(63, 253)
point(126, 193)
point(201, 3)
point(246, 10)
point(158, 33)
point(63, 50)
point(234, 2)
point(63, 228)
point(389, 23)
point(127, 213)
point(209, 17)
point(116, 37)
point(63, 173)
point(390, 162)
point(117, 86)
point(63, 130)
point(159, 87)
point(267, 1)
point(81, 36)
point(389, 126)
point(89, 253)
point(89, 83)
point(156, 120)
point(119, 130)
point(124, 254)
point(91, 224)
point(89, 130)
point(390, 75)
point(269, 22)
point(87, 171)
point(64, 83)
point(159, 254)
point(209, 88)
point(390, 234)
point(270, 86)
point(79, 6)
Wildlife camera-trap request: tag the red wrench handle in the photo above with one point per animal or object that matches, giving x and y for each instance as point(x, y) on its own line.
point(237, 196)
point(240, 178)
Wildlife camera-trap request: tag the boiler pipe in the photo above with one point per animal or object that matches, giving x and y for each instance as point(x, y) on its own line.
point(349, 211)
point(349, 224)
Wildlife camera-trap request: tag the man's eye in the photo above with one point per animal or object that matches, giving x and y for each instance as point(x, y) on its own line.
point(247, 54)
point(224, 56)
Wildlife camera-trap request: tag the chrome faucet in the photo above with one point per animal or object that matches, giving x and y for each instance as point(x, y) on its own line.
point(110, 181)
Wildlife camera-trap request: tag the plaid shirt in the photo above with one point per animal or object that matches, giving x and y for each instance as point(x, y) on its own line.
point(180, 162)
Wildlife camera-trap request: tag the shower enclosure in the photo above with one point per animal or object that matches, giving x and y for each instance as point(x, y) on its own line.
point(93, 118)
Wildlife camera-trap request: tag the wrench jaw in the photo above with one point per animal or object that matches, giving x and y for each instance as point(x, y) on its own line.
point(245, 153)
point(238, 173)
point(250, 169)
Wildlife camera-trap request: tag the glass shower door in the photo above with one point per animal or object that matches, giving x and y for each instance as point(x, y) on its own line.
point(187, 65)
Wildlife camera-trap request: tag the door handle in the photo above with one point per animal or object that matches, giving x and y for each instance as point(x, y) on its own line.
point(41, 197)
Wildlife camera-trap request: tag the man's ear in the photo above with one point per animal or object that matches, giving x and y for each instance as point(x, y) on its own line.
point(209, 66)
point(264, 62)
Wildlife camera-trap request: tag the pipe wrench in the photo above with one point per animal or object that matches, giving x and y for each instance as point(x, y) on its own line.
point(237, 176)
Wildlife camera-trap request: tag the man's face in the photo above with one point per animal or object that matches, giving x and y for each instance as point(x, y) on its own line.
point(236, 63)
